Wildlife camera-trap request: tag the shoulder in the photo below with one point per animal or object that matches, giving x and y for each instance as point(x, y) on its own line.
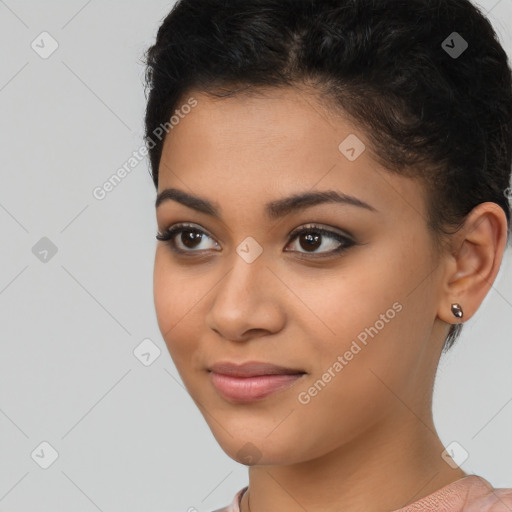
point(480, 496)
point(234, 506)
point(494, 500)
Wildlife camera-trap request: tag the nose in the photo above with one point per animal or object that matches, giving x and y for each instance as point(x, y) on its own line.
point(247, 302)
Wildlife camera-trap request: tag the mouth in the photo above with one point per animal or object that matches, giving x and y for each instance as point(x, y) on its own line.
point(251, 381)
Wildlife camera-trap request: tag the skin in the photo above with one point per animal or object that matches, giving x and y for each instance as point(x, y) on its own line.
point(366, 441)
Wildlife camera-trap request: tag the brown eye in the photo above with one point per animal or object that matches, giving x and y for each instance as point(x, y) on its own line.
point(311, 238)
point(189, 240)
point(310, 241)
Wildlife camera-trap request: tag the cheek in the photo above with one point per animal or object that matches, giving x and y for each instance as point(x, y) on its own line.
point(372, 317)
point(347, 302)
point(164, 294)
point(176, 291)
point(176, 301)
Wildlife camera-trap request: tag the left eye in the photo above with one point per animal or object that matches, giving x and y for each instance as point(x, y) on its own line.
point(311, 238)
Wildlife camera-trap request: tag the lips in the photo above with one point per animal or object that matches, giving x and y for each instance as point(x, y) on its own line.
point(251, 381)
point(252, 369)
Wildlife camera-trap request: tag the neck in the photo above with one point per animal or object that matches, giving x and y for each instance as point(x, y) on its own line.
point(385, 469)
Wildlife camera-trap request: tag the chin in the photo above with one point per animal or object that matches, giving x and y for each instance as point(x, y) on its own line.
point(255, 449)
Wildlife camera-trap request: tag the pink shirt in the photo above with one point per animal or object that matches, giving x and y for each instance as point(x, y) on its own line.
point(469, 494)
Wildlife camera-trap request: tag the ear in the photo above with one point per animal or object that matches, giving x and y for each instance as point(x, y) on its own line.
point(477, 252)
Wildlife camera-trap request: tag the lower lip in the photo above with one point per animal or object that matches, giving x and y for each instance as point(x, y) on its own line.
point(247, 389)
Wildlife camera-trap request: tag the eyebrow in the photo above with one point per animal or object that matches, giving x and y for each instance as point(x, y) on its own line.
point(274, 209)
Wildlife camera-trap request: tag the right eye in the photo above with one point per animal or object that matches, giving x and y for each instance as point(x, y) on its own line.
point(189, 243)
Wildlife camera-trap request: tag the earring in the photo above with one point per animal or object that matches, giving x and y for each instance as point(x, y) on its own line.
point(457, 310)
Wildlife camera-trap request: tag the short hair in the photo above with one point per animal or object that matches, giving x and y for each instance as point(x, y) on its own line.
point(427, 81)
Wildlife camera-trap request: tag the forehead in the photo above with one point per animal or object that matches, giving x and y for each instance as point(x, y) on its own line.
point(259, 115)
point(274, 142)
point(284, 131)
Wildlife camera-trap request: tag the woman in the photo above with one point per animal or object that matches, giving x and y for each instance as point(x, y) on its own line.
point(332, 206)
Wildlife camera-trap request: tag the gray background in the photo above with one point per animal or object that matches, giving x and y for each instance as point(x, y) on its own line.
point(128, 436)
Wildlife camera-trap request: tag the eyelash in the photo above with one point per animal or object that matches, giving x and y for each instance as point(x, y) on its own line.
point(169, 234)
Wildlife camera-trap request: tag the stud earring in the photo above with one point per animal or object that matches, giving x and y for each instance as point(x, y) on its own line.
point(457, 310)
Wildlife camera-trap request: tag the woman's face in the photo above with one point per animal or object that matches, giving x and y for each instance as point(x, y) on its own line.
point(360, 323)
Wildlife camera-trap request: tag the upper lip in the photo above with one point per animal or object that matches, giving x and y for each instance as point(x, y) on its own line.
point(251, 369)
